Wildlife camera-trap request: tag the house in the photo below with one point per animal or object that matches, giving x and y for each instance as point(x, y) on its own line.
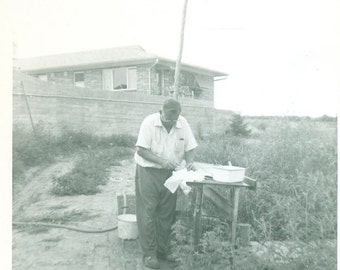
point(122, 69)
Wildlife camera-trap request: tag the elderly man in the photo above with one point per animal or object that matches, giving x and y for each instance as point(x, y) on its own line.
point(165, 140)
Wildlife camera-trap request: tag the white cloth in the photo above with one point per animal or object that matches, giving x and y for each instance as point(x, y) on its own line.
point(171, 146)
point(180, 177)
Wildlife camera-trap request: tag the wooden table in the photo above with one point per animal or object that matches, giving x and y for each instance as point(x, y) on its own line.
point(235, 191)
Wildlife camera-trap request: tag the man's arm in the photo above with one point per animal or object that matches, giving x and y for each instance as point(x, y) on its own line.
point(149, 155)
point(189, 159)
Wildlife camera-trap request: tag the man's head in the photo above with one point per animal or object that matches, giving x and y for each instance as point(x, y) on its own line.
point(171, 109)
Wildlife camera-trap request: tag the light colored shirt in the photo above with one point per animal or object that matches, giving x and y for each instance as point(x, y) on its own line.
point(171, 146)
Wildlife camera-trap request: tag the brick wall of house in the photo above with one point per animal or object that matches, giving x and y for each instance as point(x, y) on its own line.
point(146, 80)
point(169, 77)
point(61, 107)
point(142, 79)
point(154, 82)
point(61, 77)
point(93, 78)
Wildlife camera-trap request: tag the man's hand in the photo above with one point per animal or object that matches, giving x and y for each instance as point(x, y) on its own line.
point(191, 167)
point(169, 165)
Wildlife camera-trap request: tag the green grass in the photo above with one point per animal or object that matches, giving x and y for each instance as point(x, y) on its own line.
point(295, 164)
point(90, 172)
point(97, 155)
point(294, 161)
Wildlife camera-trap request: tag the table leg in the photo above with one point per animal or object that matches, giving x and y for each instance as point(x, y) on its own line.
point(235, 196)
point(198, 214)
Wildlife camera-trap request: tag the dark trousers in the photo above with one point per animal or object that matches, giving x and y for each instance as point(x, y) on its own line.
point(155, 209)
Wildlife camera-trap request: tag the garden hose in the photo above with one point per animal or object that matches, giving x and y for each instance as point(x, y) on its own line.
point(64, 227)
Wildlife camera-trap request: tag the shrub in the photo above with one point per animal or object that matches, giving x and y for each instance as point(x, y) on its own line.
point(31, 149)
point(295, 164)
point(238, 127)
point(213, 252)
point(90, 172)
point(216, 252)
point(262, 126)
point(71, 140)
point(326, 118)
point(123, 140)
point(41, 147)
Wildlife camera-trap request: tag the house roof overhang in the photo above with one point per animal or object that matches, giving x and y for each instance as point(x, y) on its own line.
point(192, 68)
point(87, 66)
point(99, 59)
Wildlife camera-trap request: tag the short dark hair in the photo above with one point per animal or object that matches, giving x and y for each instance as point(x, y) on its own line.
point(171, 104)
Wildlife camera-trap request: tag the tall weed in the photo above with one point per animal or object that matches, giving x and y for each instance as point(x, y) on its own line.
point(42, 147)
point(90, 172)
point(295, 164)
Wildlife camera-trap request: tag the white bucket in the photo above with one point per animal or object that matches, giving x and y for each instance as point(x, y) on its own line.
point(127, 226)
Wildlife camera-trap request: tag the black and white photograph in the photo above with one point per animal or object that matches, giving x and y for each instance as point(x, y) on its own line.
point(170, 134)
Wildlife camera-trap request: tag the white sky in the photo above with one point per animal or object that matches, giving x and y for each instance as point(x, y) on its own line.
point(280, 55)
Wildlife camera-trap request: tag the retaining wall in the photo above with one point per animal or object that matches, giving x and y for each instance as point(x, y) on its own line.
point(95, 111)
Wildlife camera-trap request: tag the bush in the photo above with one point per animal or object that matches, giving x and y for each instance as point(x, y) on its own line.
point(41, 147)
point(295, 166)
point(216, 252)
point(71, 141)
point(238, 127)
point(31, 149)
point(326, 118)
point(90, 172)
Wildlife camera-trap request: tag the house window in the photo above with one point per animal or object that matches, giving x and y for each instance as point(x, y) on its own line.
point(79, 79)
point(120, 79)
point(42, 77)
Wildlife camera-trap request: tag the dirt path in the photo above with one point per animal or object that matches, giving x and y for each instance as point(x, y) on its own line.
point(55, 248)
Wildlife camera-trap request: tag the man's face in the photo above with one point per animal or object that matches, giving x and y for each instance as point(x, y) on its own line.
point(170, 116)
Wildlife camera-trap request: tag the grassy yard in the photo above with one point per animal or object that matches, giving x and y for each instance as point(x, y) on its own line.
point(97, 155)
point(295, 164)
point(294, 161)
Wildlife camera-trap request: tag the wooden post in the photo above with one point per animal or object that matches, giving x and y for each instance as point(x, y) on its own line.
point(28, 106)
point(236, 192)
point(198, 215)
point(244, 234)
point(179, 57)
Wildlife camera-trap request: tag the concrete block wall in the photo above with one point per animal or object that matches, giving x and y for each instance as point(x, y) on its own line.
point(61, 107)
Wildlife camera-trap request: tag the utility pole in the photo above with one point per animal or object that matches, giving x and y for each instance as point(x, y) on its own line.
point(179, 57)
point(28, 106)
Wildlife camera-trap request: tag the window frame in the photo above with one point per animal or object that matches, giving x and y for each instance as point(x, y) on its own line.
point(128, 88)
point(43, 77)
point(74, 79)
